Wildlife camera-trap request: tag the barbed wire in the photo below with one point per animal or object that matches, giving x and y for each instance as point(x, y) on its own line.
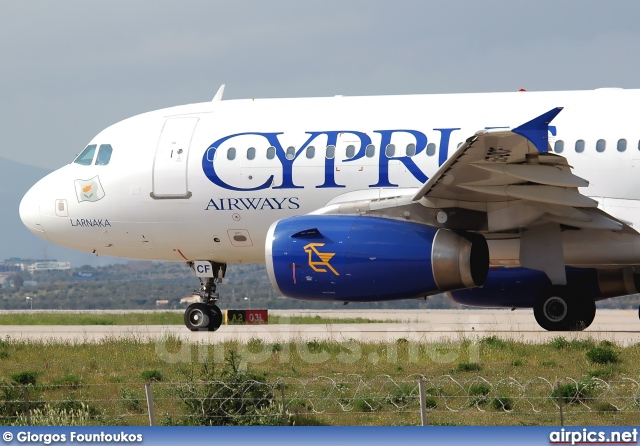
point(222, 402)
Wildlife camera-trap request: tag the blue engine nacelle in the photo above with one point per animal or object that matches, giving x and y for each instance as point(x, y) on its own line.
point(359, 258)
point(519, 287)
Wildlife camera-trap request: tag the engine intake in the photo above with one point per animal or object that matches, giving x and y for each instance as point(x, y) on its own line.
point(360, 258)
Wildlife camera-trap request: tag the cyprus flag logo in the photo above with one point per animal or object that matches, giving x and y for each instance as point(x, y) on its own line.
point(89, 190)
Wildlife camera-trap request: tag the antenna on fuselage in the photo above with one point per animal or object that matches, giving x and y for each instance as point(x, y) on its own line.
point(219, 93)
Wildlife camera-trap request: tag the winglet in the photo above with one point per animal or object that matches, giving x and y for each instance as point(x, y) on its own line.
point(537, 130)
point(219, 93)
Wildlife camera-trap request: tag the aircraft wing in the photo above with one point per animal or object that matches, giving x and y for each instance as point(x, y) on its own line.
point(512, 177)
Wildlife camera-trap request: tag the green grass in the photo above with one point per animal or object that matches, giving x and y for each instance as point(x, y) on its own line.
point(468, 367)
point(152, 318)
point(329, 382)
point(603, 355)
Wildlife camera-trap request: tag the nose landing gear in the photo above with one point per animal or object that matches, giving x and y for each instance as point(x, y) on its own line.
point(205, 315)
point(202, 317)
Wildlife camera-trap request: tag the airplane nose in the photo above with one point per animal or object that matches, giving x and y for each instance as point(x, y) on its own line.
point(30, 212)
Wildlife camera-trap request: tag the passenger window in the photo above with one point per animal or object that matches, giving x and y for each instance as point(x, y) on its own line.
point(431, 149)
point(579, 146)
point(351, 151)
point(558, 147)
point(411, 149)
point(390, 151)
point(271, 153)
point(601, 144)
point(311, 152)
point(251, 153)
point(331, 152)
point(86, 157)
point(104, 155)
point(231, 153)
point(291, 152)
point(622, 145)
point(371, 150)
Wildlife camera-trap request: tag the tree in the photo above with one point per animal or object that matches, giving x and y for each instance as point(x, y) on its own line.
point(18, 280)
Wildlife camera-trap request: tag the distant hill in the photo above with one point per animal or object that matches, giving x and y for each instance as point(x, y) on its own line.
point(15, 239)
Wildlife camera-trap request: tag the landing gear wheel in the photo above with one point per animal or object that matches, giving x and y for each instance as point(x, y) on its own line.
point(198, 317)
point(216, 317)
point(205, 315)
point(587, 314)
point(558, 309)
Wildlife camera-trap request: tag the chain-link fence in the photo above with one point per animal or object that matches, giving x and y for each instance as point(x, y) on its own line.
point(343, 400)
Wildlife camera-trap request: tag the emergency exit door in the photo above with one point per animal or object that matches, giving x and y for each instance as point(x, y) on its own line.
point(170, 165)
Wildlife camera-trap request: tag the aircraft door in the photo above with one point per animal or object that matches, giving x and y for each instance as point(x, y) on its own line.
point(170, 162)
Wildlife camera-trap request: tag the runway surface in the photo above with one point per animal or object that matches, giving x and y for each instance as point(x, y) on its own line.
point(620, 326)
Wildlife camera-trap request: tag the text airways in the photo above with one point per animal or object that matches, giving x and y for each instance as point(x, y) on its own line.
point(256, 204)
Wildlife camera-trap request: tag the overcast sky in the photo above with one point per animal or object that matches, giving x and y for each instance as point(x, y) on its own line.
point(71, 68)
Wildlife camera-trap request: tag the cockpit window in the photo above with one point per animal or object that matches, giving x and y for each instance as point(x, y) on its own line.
point(86, 157)
point(104, 155)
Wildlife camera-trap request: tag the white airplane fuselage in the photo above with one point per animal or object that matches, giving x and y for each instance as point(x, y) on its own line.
point(174, 190)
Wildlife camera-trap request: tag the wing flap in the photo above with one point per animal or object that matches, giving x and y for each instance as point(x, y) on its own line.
point(537, 193)
point(549, 175)
point(565, 212)
point(597, 221)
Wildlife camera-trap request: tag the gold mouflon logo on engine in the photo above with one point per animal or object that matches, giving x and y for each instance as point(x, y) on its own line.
point(325, 258)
